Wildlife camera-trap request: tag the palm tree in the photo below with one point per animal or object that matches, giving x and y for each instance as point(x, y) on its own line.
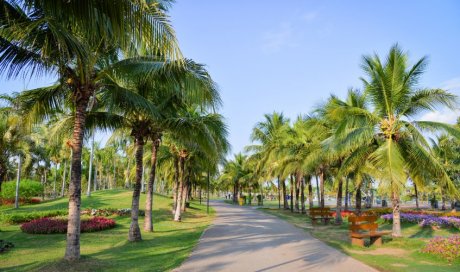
point(269, 135)
point(69, 38)
point(391, 145)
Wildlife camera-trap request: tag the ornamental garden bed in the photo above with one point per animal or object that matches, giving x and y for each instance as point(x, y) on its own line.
point(58, 225)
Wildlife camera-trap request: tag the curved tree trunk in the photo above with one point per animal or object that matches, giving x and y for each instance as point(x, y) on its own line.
point(88, 191)
point(186, 190)
point(148, 222)
point(317, 191)
point(298, 177)
point(134, 234)
point(73, 226)
point(396, 215)
point(338, 210)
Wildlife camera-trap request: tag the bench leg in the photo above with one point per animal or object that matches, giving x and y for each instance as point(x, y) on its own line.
point(376, 240)
point(357, 241)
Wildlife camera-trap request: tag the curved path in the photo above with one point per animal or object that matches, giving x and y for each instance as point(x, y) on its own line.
point(244, 239)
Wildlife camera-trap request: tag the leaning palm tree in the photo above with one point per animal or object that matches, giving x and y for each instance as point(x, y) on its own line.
point(69, 38)
point(391, 145)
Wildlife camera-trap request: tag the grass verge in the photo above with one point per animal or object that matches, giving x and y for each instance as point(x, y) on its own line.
point(402, 254)
point(164, 249)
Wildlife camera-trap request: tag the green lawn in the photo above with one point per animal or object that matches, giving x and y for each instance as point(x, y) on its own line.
point(164, 249)
point(401, 254)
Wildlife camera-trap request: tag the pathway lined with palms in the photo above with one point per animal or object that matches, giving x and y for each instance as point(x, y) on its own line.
point(243, 239)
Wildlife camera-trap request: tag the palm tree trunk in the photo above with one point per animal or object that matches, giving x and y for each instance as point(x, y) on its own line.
point(285, 203)
point(176, 184)
point(18, 181)
point(127, 185)
point(346, 194)
point(310, 193)
point(55, 180)
point(72, 252)
point(134, 234)
point(279, 193)
point(358, 199)
point(338, 211)
point(321, 184)
point(88, 191)
point(302, 195)
point(148, 222)
point(186, 189)
point(292, 193)
point(297, 192)
point(63, 179)
point(177, 215)
point(443, 199)
point(396, 216)
point(416, 196)
point(317, 191)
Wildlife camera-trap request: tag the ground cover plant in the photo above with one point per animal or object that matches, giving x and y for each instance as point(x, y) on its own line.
point(165, 248)
point(447, 248)
point(427, 220)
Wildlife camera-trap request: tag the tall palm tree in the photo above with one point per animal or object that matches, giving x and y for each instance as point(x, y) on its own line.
point(69, 38)
point(268, 136)
point(391, 145)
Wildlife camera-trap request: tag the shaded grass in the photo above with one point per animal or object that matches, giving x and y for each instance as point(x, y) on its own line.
point(164, 249)
point(402, 254)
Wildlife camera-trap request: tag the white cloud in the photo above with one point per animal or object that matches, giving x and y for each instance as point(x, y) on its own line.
point(451, 84)
point(309, 16)
point(278, 39)
point(445, 116)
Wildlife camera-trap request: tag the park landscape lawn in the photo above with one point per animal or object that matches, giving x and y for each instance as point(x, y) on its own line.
point(109, 250)
point(401, 254)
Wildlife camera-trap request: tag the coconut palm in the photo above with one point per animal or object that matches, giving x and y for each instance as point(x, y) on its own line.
point(391, 145)
point(268, 136)
point(69, 38)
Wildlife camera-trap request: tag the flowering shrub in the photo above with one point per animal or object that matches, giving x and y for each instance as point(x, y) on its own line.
point(4, 246)
point(426, 220)
point(110, 211)
point(344, 213)
point(448, 248)
point(22, 201)
point(54, 225)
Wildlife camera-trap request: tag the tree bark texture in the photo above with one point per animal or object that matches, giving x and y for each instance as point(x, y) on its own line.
point(148, 219)
point(338, 211)
point(134, 234)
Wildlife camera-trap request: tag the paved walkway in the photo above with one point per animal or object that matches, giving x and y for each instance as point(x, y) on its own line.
point(244, 239)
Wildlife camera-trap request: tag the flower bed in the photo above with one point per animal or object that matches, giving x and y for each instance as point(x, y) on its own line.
point(447, 248)
point(54, 225)
point(426, 220)
point(4, 246)
point(110, 211)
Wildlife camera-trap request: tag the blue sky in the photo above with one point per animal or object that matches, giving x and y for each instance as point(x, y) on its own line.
point(290, 55)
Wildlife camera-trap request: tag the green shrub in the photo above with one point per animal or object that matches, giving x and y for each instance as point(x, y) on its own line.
point(27, 189)
point(16, 218)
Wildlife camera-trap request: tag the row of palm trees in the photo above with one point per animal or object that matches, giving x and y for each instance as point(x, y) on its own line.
point(118, 68)
point(370, 137)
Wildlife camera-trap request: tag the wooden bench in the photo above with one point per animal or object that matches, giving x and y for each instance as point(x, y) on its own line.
point(364, 226)
point(323, 214)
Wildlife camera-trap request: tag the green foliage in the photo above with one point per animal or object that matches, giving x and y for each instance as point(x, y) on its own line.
point(27, 189)
point(17, 218)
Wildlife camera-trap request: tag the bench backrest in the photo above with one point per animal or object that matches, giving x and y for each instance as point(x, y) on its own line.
point(362, 223)
point(320, 211)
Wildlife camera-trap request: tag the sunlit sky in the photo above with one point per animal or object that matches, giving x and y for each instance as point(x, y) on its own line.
point(288, 56)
